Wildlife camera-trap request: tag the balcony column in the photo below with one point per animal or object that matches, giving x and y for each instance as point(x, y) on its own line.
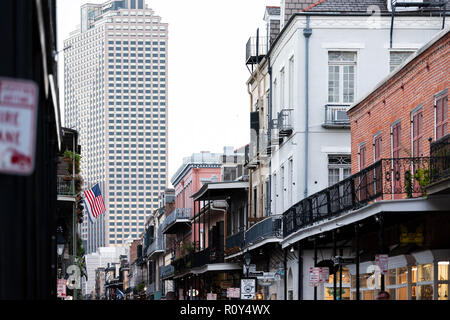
point(193, 229)
point(204, 221)
point(381, 243)
point(335, 273)
point(209, 217)
point(315, 265)
point(357, 259)
point(300, 273)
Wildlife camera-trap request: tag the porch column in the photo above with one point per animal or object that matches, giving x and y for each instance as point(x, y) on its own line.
point(335, 273)
point(357, 259)
point(315, 264)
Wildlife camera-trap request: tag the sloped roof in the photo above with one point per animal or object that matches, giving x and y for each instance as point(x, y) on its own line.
point(354, 6)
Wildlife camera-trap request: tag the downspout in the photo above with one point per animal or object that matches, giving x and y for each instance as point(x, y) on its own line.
point(269, 135)
point(306, 33)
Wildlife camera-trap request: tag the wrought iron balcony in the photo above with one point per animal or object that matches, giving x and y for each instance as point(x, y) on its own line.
point(150, 288)
point(285, 123)
point(208, 256)
point(235, 240)
point(336, 116)
point(255, 49)
point(166, 271)
point(270, 227)
point(183, 263)
point(440, 164)
point(65, 187)
point(387, 179)
point(178, 216)
point(157, 246)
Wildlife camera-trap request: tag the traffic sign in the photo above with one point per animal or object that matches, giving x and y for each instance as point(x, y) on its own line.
point(18, 114)
point(248, 289)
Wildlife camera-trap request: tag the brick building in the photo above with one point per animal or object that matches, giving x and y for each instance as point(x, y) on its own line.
point(407, 111)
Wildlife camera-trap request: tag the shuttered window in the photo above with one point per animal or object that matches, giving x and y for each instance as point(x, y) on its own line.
point(441, 116)
point(362, 156)
point(417, 134)
point(377, 144)
point(396, 140)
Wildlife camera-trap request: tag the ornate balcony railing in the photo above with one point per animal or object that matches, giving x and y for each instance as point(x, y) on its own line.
point(271, 227)
point(235, 241)
point(166, 271)
point(64, 187)
point(386, 179)
point(183, 263)
point(156, 246)
point(440, 155)
point(177, 214)
point(208, 256)
point(336, 115)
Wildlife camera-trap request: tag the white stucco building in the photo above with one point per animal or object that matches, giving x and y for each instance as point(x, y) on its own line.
point(323, 60)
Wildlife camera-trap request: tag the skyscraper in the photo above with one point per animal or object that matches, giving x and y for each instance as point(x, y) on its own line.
point(115, 85)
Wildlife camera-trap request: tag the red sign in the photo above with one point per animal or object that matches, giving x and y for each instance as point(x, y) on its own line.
point(233, 292)
point(381, 261)
point(18, 110)
point(61, 289)
point(318, 275)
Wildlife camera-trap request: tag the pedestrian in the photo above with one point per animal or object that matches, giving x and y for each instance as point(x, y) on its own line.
point(383, 295)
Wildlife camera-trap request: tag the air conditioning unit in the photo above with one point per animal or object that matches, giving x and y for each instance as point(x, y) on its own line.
point(340, 116)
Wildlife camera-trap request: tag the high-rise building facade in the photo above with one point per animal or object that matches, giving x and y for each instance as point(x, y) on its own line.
point(115, 85)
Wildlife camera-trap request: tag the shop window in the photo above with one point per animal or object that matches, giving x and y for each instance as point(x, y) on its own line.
point(425, 272)
point(346, 286)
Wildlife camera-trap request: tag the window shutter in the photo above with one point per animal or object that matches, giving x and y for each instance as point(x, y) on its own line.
point(441, 116)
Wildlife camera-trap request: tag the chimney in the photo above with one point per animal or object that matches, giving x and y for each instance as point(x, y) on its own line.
point(289, 7)
point(272, 19)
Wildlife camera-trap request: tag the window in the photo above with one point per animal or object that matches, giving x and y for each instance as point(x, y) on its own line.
point(417, 133)
point(441, 105)
point(339, 168)
point(282, 106)
point(396, 58)
point(341, 76)
point(291, 82)
point(377, 147)
point(362, 156)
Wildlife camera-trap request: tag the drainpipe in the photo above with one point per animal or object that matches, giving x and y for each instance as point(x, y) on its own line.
point(269, 135)
point(306, 33)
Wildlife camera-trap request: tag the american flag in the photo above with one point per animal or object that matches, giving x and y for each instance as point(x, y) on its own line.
point(94, 202)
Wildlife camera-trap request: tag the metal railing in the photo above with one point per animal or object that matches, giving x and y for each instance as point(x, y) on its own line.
point(64, 187)
point(255, 48)
point(336, 115)
point(271, 227)
point(440, 155)
point(177, 214)
point(150, 288)
point(387, 179)
point(235, 240)
point(285, 124)
point(166, 271)
point(207, 256)
point(156, 246)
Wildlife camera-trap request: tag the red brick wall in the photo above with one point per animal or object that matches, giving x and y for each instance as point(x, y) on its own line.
point(417, 83)
point(133, 250)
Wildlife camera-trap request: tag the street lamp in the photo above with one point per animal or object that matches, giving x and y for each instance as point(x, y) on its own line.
point(247, 260)
point(60, 241)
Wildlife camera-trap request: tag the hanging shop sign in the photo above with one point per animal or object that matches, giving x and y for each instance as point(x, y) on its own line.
point(211, 296)
point(61, 288)
point(233, 292)
point(18, 114)
point(318, 275)
point(248, 289)
point(381, 261)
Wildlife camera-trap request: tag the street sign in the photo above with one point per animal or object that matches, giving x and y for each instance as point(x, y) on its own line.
point(18, 114)
point(248, 289)
point(381, 261)
point(343, 260)
point(233, 292)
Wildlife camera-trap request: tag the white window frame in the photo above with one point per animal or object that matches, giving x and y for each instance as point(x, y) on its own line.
point(341, 65)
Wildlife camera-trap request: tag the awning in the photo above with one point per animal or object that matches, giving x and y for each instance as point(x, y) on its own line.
point(219, 190)
point(218, 267)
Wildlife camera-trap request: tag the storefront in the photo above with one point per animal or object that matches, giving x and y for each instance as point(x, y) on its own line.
point(421, 275)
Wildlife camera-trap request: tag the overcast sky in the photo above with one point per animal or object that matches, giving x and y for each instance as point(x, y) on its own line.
point(208, 100)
